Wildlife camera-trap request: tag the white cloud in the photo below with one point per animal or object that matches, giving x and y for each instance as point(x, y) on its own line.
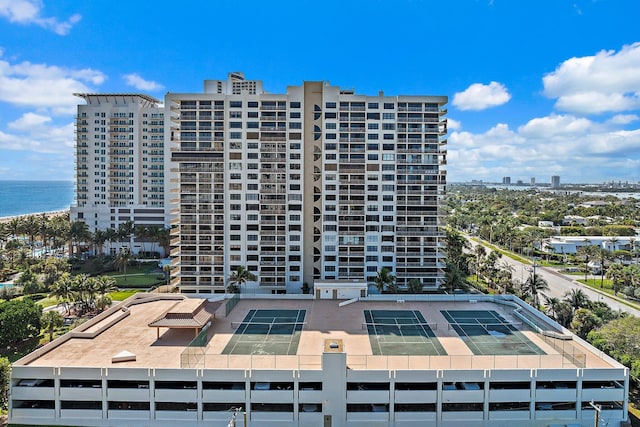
point(609, 81)
point(40, 138)
point(29, 121)
point(623, 119)
point(139, 83)
point(453, 124)
point(555, 125)
point(480, 97)
point(47, 86)
point(29, 12)
point(576, 148)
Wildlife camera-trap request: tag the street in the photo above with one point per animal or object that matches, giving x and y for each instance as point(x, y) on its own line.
point(559, 284)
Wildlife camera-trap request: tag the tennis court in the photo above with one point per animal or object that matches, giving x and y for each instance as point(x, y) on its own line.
point(401, 332)
point(267, 332)
point(485, 332)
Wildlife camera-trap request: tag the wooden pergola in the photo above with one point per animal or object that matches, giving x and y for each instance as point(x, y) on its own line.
point(190, 313)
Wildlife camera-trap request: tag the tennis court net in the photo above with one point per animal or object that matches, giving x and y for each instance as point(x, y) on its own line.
point(399, 326)
point(511, 326)
point(268, 327)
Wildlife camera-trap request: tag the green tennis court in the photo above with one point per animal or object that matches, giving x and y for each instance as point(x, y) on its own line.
point(267, 332)
point(401, 332)
point(486, 332)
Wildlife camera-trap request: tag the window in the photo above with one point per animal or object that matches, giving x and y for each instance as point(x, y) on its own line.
point(372, 136)
point(295, 125)
point(388, 136)
point(235, 135)
point(294, 105)
point(252, 104)
point(329, 125)
point(389, 106)
point(372, 126)
point(330, 105)
point(373, 106)
point(235, 104)
point(388, 116)
point(388, 126)
point(294, 115)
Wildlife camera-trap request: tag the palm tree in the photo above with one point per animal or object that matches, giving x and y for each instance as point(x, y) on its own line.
point(164, 239)
point(586, 253)
point(14, 226)
point(534, 285)
point(552, 304)
point(141, 234)
point(51, 320)
point(454, 278)
point(124, 232)
point(384, 279)
point(576, 298)
point(98, 239)
point(30, 227)
point(111, 236)
point(240, 277)
point(83, 290)
point(62, 290)
point(104, 284)
point(414, 286)
point(603, 256)
point(155, 234)
point(456, 243)
point(44, 230)
point(615, 272)
point(78, 232)
point(122, 261)
point(480, 252)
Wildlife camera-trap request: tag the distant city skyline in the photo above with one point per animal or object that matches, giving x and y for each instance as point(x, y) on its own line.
point(532, 87)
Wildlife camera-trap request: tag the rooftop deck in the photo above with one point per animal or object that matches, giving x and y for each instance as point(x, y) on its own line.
point(125, 328)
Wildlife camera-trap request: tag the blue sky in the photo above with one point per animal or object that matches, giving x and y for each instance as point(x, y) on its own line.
point(536, 88)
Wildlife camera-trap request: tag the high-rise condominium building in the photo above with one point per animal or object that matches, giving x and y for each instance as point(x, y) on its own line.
point(317, 183)
point(120, 163)
point(555, 181)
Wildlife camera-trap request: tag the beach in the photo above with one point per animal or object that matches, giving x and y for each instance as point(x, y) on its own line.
point(49, 215)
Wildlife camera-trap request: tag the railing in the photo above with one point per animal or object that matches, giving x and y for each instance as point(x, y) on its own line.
point(196, 357)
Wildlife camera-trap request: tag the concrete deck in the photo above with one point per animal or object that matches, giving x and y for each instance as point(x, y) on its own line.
point(324, 320)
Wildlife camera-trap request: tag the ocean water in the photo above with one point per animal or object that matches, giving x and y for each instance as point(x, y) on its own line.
point(30, 197)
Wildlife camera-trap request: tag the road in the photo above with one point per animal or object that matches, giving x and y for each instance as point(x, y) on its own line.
point(559, 284)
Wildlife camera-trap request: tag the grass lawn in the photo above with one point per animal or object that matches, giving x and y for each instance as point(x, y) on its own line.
point(47, 302)
point(137, 280)
point(123, 295)
point(502, 251)
point(608, 289)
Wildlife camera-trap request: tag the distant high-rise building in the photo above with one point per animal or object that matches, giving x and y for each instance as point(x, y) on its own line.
point(533, 181)
point(506, 180)
point(120, 164)
point(317, 183)
point(555, 181)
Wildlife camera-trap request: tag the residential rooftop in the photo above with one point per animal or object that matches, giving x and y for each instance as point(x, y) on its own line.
point(126, 328)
